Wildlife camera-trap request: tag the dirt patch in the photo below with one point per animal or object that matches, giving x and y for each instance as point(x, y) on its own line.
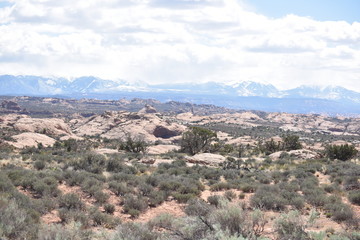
point(170, 207)
point(51, 217)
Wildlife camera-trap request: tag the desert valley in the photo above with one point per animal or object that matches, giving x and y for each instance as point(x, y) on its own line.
point(143, 169)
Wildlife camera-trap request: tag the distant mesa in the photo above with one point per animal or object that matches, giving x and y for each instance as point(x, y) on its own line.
point(10, 105)
point(148, 109)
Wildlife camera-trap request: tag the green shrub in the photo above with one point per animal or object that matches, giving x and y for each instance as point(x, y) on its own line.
point(352, 183)
point(99, 218)
point(196, 140)
point(298, 202)
point(184, 197)
point(101, 197)
point(134, 144)
point(291, 142)
point(65, 215)
point(198, 207)
point(134, 213)
point(73, 231)
point(115, 165)
point(71, 201)
point(134, 202)
point(214, 200)
point(109, 208)
point(94, 163)
point(120, 189)
point(220, 186)
point(339, 212)
point(268, 197)
point(342, 152)
point(248, 187)
point(241, 196)
point(354, 197)
point(316, 197)
point(230, 195)
point(291, 227)
point(134, 231)
point(16, 222)
point(156, 198)
point(39, 165)
point(232, 219)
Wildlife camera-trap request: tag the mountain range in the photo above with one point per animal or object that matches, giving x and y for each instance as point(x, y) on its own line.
point(242, 95)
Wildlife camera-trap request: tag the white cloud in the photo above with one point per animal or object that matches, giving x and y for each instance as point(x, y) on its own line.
point(168, 41)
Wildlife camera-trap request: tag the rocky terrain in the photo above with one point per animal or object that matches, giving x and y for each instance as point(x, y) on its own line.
point(121, 167)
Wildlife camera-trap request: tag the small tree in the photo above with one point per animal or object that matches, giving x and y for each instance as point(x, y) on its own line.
point(342, 152)
point(291, 142)
point(196, 140)
point(134, 144)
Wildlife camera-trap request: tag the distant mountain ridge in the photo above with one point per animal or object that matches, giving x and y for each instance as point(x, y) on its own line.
point(244, 94)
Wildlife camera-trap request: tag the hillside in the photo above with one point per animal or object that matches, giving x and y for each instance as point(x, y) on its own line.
point(120, 174)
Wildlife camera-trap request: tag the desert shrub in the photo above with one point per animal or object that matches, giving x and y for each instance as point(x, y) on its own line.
point(16, 222)
point(268, 197)
point(119, 188)
point(152, 180)
point(220, 186)
point(129, 178)
point(198, 207)
point(101, 197)
point(39, 165)
point(156, 198)
point(39, 188)
point(46, 186)
point(328, 188)
point(91, 186)
point(134, 144)
point(291, 227)
point(214, 200)
point(234, 220)
point(73, 178)
point(315, 197)
point(354, 197)
point(74, 231)
point(269, 147)
point(94, 163)
point(6, 185)
point(134, 202)
point(109, 208)
point(115, 165)
point(184, 197)
point(230, 195)
point(71, 201)
point(65, 215)
point(99, 218)
point(210, 173)
point(134, 231)
point(248, 187)
point(351, 183)
point(298, 202)
point(339, 211)
point(145, 189)
point(290, 142)
point(241, 196)
point(342, 152)
point(196, 140)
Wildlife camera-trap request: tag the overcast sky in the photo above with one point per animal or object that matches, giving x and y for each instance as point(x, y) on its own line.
point(282, 42)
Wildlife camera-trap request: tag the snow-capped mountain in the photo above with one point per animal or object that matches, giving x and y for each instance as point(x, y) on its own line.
point(329, 92)
point(33, 85)
point(248, 88)
point(245, 94)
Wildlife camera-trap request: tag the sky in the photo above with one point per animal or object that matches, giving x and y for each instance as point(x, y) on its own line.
point(285, 43)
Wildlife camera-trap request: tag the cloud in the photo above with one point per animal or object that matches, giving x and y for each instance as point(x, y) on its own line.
point(157, 41)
